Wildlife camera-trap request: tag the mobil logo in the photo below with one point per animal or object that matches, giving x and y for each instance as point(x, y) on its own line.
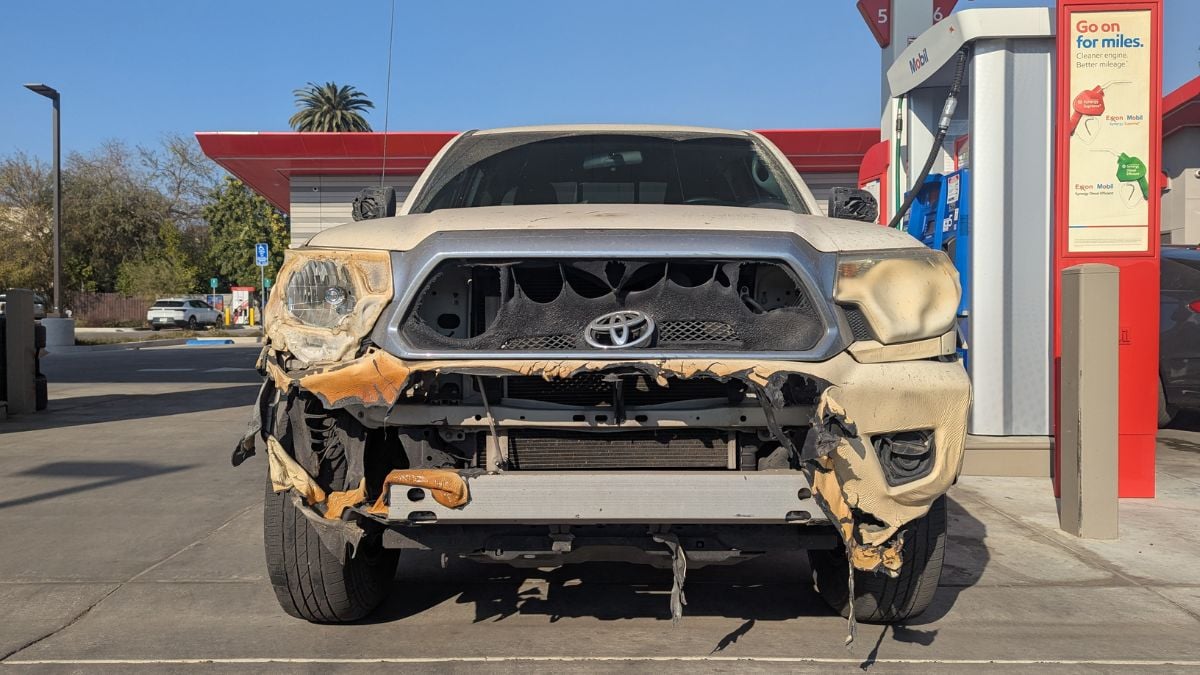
point(916, 62)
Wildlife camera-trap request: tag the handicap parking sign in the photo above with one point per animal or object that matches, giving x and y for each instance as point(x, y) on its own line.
point(260, 255)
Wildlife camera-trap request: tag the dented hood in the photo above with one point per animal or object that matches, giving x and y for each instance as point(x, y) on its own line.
point(402, 233)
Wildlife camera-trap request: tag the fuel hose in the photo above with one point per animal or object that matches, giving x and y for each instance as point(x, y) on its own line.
point(943, 126)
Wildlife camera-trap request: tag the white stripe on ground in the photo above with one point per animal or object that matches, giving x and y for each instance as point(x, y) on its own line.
point(584, 659)
point(227, 370)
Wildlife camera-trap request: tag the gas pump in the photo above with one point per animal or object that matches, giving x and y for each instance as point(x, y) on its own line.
point(1003, 63)
point(940, 218)
point(1059, 133)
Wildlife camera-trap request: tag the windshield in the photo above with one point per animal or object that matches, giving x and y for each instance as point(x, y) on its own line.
point(685, 168)
point(169, 303)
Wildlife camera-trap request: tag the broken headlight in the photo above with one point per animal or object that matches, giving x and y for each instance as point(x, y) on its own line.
point(327, 301)
point(905, 295)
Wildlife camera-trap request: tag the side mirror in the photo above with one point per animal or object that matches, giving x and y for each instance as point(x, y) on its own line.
point(374, 203)
point(853, 204)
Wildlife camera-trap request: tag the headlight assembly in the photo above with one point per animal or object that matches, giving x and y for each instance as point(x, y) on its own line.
point(321, 293)
point(327, 301)
point(907, 294)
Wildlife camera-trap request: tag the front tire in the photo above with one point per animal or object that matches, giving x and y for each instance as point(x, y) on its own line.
point(309, 581)
point(191, 323)
point(879, 598)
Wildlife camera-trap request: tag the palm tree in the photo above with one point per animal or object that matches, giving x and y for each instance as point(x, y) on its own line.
point(330, 108)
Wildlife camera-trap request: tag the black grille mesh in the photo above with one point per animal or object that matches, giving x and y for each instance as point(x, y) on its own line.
point(538, 449)
point(698, 305)
point(684, 332)
point(858, 323)
point(539, 342)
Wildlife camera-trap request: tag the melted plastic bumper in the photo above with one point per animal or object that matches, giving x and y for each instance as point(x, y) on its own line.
point(857, 402)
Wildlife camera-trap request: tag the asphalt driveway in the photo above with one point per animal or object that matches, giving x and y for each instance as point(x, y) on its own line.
point(130, 542)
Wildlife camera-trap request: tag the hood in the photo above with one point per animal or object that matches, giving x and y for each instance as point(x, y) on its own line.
point(402, 233)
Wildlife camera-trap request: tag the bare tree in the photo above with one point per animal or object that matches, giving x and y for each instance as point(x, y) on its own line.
point(25, 222)
point(181, 172)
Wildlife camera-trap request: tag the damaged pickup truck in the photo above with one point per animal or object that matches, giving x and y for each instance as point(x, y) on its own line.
point(627, 343)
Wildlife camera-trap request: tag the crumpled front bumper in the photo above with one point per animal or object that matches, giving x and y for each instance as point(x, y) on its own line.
point(857, 402)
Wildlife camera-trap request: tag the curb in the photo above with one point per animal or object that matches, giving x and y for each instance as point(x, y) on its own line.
point(76, 349)
point(144, 344)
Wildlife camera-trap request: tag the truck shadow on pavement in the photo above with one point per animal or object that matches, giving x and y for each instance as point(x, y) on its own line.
point(101, 408)
point(774, 587)
point(107, 473)
point(607, 591)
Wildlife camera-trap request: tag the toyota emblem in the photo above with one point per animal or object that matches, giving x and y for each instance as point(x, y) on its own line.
point(619, 330)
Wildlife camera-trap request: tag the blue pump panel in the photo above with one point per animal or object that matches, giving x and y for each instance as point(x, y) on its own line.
point(940, 217)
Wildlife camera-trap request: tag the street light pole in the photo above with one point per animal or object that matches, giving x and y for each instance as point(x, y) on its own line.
point(52, 94)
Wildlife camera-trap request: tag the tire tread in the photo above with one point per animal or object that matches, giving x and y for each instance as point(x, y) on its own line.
point(878, 597)
point(309, 581)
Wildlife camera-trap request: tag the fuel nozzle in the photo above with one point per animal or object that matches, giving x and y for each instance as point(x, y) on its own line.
point(1131, 170)
point(1089, 103)
point(1131, 174)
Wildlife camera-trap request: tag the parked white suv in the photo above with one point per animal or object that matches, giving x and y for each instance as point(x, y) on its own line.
point(183, 313)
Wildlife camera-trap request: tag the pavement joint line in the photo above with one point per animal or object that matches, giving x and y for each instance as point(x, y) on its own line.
point(196, 543)
point(1082, 555)
point(1185, 479)
point(4, 658)
point(416, 660)
point(68, 624)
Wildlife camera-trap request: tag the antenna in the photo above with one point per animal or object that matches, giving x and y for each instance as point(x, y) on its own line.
point(387, 97)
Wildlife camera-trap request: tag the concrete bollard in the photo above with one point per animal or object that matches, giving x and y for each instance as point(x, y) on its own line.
point(1088, 400)
point(20, 351)
point(59, 332)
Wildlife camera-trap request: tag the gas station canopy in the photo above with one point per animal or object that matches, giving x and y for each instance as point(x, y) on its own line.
point(267, 161)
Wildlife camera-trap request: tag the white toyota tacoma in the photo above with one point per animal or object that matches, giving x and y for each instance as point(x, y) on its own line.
point(637, 343)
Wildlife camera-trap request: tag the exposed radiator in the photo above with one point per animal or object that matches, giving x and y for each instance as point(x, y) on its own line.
point(544, 450)
point(591, 389)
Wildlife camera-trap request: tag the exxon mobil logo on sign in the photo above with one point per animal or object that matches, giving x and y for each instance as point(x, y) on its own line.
point(918, 61)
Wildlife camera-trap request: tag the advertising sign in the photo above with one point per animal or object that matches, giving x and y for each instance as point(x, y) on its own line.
point(1109, 151)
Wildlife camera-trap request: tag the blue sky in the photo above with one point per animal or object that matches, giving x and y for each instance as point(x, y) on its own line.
point(137, 69)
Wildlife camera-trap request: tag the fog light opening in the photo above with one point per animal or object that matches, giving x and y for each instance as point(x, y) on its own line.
point(905, 456)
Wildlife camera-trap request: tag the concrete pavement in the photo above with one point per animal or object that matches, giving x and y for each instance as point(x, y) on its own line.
point(129, 542)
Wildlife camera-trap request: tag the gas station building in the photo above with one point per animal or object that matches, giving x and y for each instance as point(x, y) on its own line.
point(1043, 165)
point(1181, 165)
